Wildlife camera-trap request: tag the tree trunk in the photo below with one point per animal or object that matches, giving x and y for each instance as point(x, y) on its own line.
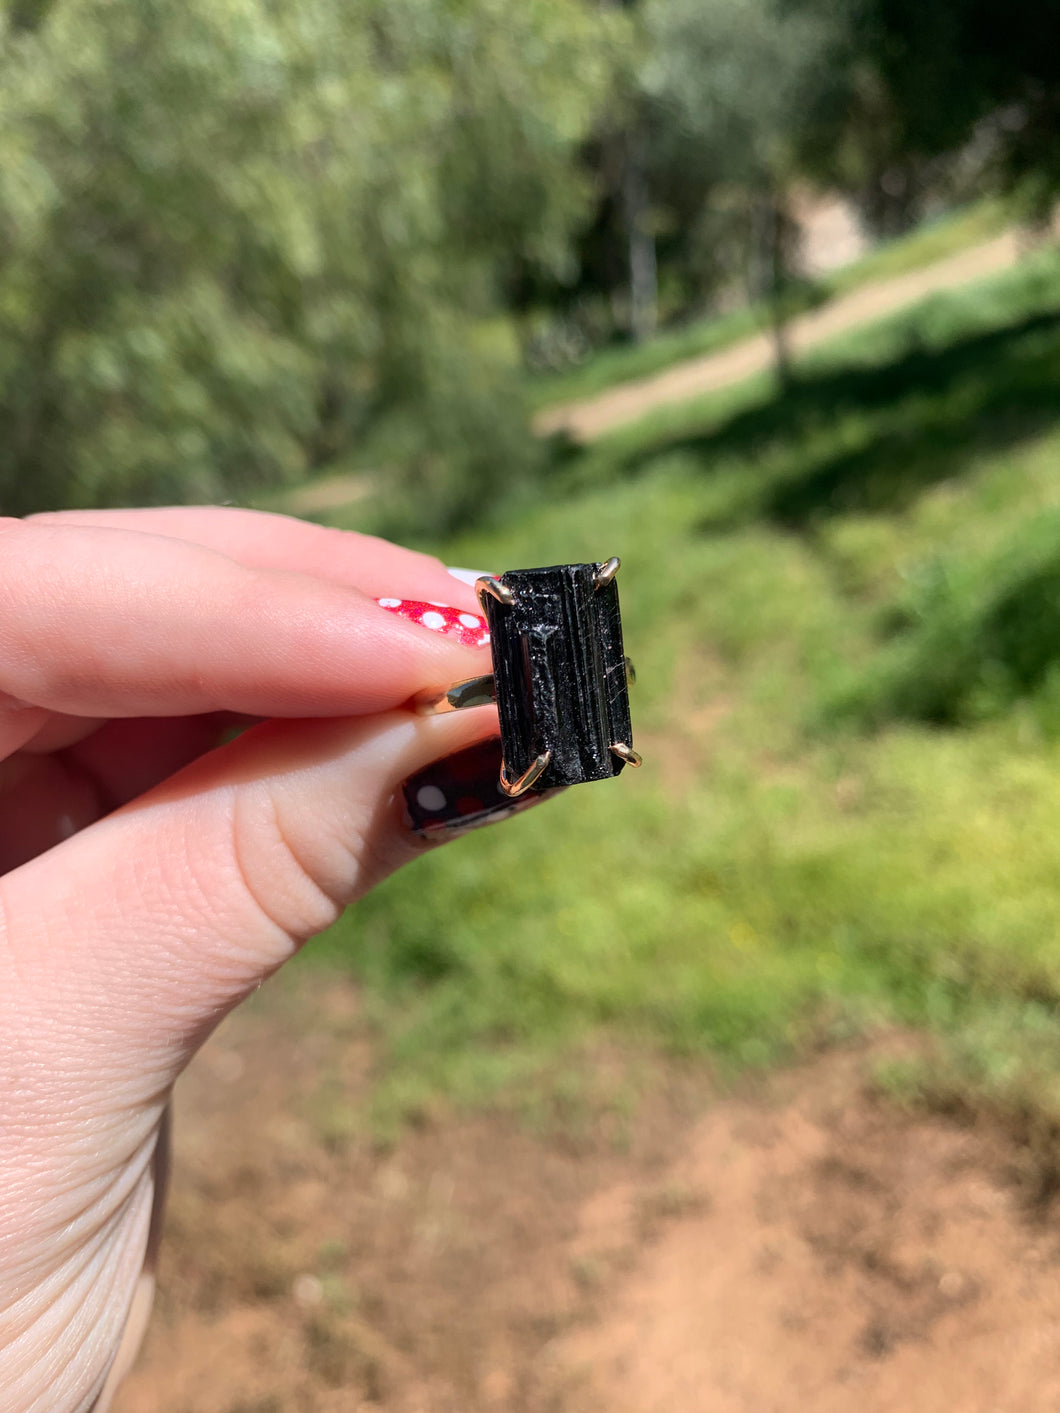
point(643, 273)
point(778, 271)
point(778, 324)
point(772, 240)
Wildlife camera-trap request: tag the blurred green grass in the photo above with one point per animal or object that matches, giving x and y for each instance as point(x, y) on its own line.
point(844, 607)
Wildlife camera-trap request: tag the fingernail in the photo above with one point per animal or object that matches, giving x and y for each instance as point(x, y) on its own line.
point(462, 792)
point(467, 576)
point(470, 629)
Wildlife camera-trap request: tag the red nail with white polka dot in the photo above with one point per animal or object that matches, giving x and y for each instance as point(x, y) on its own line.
point(462, 792)
point(469, 629)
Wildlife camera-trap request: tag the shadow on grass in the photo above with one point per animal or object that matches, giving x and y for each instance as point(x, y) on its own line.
point(896, 429)
point(981, 644)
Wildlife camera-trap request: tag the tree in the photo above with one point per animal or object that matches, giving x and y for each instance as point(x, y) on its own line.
point(733, 90)
point(239, 237)
point(935, 91)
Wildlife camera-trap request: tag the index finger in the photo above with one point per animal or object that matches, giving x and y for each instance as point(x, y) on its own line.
point(98, 621)
point(264, 540)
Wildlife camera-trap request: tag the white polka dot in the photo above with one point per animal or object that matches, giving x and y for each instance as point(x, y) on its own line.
point(436, 602)
point(389, 603)
point(429, 797)
point(470, 621)
point(483, 642)
point(432, 620)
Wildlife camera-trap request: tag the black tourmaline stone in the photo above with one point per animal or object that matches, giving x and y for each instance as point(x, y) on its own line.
point(561, 674)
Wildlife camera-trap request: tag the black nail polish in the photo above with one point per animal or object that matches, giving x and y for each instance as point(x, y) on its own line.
point(461, 791)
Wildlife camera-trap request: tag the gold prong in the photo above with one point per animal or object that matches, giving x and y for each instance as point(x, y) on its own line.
point(496, 589)
point(533, 773)
point(606, 572)
point(626, 753)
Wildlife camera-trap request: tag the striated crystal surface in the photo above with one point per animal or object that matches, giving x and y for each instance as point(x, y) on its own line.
point(561, 674)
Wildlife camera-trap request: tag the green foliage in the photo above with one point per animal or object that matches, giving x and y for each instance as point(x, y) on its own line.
point(764, 883)
point(975, 638)
point(237, 237)
point(939, 94)
point(242, 242)
point(732, 90)
point(733, 84)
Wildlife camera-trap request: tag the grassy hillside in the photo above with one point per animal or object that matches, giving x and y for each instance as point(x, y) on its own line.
point(844, 607)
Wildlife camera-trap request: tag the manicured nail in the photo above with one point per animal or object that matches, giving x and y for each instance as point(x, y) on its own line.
point(468, 628)
point(466, 576)
point(462, 792)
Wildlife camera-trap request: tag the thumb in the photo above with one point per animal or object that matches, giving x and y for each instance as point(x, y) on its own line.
point(124, 946)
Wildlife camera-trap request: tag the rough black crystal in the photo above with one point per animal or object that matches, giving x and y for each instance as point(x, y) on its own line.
point(561, 674)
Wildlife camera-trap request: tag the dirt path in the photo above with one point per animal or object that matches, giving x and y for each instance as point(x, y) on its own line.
point(802, 1246)
point(595, 416)
point(840, 1258)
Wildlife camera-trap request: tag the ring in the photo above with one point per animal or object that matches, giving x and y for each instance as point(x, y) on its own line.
point(560, 676)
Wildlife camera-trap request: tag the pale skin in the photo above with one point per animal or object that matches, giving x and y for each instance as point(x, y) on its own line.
point(151, 878)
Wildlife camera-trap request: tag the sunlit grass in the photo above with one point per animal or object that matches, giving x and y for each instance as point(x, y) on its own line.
point(808, 851)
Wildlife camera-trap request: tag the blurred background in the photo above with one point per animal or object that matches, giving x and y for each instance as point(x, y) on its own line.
point(734, 1084)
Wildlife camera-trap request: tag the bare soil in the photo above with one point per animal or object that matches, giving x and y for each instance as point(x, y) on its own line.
point(799, 1245)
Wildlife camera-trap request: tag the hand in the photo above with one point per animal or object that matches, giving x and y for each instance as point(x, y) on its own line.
point(152, 877)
